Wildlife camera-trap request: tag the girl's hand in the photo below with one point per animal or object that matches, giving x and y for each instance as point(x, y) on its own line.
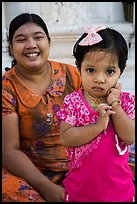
point(114, 93)
point(104, 113)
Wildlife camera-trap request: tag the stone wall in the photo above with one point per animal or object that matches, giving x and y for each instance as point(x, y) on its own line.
point(66, 22)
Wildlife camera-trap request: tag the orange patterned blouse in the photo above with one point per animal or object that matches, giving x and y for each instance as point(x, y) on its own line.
point(39, 132)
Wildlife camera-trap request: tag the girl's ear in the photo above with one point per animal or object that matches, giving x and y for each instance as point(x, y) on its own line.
point(123, 69)
point(82, 87)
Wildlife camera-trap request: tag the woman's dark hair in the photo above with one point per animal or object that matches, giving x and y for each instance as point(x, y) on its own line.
point(113, 42)
point(22, 19)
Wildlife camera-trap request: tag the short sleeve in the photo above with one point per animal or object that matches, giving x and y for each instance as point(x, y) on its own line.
point(67, 112)
point(128, 104)
point(8, 102)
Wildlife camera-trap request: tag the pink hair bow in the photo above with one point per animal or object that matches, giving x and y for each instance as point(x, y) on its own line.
point(93, 37)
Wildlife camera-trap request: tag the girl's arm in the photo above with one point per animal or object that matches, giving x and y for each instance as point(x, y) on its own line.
point(124, 126)
point(19, 164)
point(71, 136)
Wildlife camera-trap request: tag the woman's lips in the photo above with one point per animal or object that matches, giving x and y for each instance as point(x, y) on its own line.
point(34, 54)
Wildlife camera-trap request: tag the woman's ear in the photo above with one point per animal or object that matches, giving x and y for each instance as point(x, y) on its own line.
point(10, 50)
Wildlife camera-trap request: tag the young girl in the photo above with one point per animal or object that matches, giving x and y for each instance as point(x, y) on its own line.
point(97, 122)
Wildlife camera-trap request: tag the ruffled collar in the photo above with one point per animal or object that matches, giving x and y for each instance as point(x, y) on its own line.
point(30, 98)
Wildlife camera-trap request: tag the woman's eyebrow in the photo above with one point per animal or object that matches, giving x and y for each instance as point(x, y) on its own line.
point(35, 33)
point(19, 35)
point(39, 32)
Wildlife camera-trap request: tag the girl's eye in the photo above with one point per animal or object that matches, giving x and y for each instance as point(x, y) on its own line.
point(90, 70)
point(110, 71)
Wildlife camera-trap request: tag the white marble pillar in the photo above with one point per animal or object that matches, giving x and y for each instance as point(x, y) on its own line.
point(132, 47)
point(13, 9)
point(128, 77)
point(6, 60)
point(81, 13)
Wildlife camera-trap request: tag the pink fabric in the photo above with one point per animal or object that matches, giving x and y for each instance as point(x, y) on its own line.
point(93, 37)
point(98, 173)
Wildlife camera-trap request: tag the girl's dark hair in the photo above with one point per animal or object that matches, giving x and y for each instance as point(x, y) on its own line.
point(22, 19)
point(113, 42)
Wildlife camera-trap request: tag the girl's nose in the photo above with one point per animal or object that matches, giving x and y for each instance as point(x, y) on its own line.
point(100, 78)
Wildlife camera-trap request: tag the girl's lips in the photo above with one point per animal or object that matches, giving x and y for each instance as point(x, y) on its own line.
point(97, 88)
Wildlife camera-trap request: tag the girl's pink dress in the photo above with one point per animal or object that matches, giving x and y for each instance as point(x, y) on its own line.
point(99, 170)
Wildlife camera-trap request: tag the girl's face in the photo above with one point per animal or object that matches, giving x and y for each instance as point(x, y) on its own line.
point(99, 73)
point(30, 46)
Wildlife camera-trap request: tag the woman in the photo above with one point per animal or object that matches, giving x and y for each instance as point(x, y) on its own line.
point(34, 161)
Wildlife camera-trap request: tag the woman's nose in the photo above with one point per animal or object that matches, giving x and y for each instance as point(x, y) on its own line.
point(31, 43)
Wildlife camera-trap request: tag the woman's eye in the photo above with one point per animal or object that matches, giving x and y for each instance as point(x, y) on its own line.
point(90, 70)
point(110, 71)
point(38, 37)
point(21, 40)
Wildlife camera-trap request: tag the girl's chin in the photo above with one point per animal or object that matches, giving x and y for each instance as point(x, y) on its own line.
point(97, 94)
point(100, 95)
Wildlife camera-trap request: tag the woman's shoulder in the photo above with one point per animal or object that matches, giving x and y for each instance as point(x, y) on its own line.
point(69, 70)
point(8, 73)
point(8, 76)
point(65, 66)
point(59, 63)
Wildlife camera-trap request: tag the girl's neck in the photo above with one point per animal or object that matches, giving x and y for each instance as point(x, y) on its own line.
point(94, 101)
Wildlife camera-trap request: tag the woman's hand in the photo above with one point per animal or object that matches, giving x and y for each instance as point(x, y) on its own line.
point(54, 193)
point(113, 94)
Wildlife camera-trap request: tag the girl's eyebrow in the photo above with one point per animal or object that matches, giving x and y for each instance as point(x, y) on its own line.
point(89, 65)
point(112, 66)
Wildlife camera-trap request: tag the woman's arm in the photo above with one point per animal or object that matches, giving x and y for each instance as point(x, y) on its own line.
point(19, 164)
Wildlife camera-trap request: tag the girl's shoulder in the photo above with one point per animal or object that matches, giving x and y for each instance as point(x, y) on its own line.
point(127, 97)
point(128, 103)
point(74, 94)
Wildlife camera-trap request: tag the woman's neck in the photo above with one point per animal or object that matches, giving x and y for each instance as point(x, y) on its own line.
point(36, 82)
point(31, 75)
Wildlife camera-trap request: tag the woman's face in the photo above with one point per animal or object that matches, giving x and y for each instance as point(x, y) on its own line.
point(30, 46)
point(99, 72)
